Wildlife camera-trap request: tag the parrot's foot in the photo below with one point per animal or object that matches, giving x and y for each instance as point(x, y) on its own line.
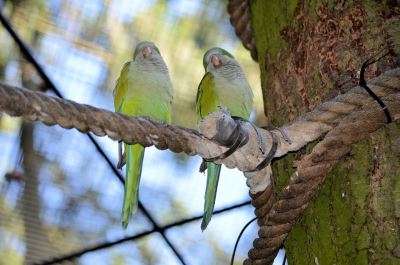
point(269, 156)
point(274, 146)
point(239, 138)
point(121, 156)
point(163, 122)
point(260, 139)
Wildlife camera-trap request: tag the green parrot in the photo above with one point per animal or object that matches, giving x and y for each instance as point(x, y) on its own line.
point(143, 89)
point(223, 85)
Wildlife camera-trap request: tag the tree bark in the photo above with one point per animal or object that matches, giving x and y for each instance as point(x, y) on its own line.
point(311, 51)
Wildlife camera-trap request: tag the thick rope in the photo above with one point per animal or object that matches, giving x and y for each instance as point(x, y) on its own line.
point(277, 217)
point(354, 115)
point(68, 114)
point(240, 17)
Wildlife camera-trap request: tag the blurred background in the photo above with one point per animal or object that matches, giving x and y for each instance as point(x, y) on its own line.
point(57, 193)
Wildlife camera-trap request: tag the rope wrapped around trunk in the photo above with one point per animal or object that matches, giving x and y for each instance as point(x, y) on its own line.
point(346, 119)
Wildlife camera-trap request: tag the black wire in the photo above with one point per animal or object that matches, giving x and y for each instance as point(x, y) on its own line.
point(26, 52)
point(240, 139)
point(101, 246)
point(363, 84)
point(240, 235)
point(91, 249)
point(284, 259)
point(269, 156)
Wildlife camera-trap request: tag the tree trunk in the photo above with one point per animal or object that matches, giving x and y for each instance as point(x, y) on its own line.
point(37, 243)
point(311, 51)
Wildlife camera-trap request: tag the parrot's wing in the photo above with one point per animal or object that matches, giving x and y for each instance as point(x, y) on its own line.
point(204, 91)
point(206, 102)
point(121, 87)
point(248, 102)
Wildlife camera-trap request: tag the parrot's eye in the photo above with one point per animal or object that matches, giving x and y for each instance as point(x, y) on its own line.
point(146, 52)
point(215, 61)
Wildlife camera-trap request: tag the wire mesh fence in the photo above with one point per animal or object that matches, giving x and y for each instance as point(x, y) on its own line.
point(58, 194)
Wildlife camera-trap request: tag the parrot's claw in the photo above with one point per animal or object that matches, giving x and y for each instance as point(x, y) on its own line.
point(270, 155)
point(274, 146)
point(260, 139)
point(121, 156)
point(240, 138)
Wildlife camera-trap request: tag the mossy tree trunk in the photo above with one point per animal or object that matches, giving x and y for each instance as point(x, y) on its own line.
point(311, 51)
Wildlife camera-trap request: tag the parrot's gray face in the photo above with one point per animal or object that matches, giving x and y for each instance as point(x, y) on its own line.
point(146, 51)
point(216, 58)
point(224, 65)
point(147, 55)
point(216, 61)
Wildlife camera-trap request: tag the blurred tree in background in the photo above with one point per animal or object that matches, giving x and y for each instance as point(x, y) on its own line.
point(57, 193)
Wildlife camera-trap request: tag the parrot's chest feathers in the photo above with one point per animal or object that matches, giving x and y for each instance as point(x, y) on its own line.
point(153, 65)
point(234, 94)
point(151, 84)
point(225, 86)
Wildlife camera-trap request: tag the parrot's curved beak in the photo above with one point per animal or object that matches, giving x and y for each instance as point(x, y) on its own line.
point(215, 61)
point(146, 52)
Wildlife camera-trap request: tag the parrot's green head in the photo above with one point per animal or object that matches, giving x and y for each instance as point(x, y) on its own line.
point(217, 57)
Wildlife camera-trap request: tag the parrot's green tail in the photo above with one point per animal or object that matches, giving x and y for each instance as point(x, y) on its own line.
point(213, 171)
point(134, 160)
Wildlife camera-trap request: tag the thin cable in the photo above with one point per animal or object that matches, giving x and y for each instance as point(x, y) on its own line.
point(104, 245)
point(363, 83)
point(240, 235)
point(27, 53)
point(284, 259)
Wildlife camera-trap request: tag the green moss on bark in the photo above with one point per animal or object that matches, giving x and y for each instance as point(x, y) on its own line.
point(310, 51)
point(352, 219)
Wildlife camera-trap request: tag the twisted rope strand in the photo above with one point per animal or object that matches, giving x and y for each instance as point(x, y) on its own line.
point(240, 18)
point(346, 119)
point(310, 174)
point(68, 114)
